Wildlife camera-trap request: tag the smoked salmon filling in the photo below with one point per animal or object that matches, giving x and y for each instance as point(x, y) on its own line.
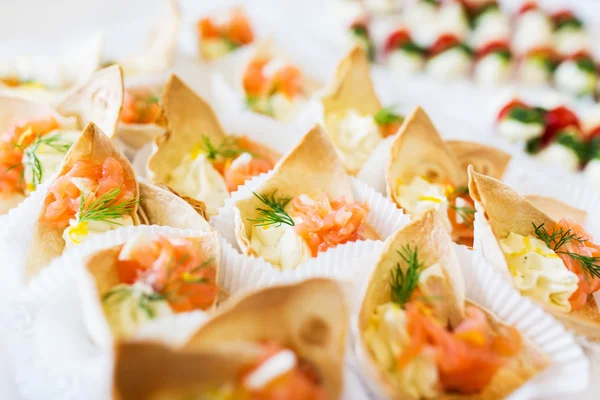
point(558, 265)
point(140, 106)
point(547, 254)
point(219, 38)
point(272, 86)
point(289, 230)
point(278, 374)
point(325, 223)
point(420, 335)
point(158, 276)
point(30, 152)
point(90, 197)
point(213, 170)
point(409, 337)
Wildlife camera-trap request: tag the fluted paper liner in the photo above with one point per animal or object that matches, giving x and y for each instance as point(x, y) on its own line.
point(484, 288)
point(80, 322)
point(250, 272)
point(583, 322)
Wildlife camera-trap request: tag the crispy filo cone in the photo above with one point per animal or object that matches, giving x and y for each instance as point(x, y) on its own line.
point(352, 87)
point(505, 212)
point(102, 264)
point(351, 90)
point(435, 246)
point(100, 100)
point(484, 159)
point(151, 371)
point(310, 317)
point(313, 166)
point(189, 118)
point(160, 206)
point(556, 209)
point(47, 242)
point(419, 150)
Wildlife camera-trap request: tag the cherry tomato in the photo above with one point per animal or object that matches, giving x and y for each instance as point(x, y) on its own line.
point(556, 120)
point(495, 45)
point(443, 43)
point(528, 6)
point(396, 39)
point(509, 106)
point(562, 15)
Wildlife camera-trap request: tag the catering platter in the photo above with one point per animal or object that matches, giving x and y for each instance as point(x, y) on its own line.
point(237, 206)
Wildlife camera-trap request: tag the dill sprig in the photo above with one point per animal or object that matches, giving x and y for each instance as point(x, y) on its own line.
point(589, 265)
point(143, 302)
point(106, 208)
point(227, 149)
point(459, 191)
point(275, 213)
point(31, 160)
point(404, 283)
point(387, 116)
point(558, 237)
point(466, 213)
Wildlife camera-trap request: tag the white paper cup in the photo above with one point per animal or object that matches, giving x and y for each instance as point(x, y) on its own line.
point(574, 195)
point(252, 272)
point(485, 289)
point(374, 171)
point(16, 232)
point(62, 339)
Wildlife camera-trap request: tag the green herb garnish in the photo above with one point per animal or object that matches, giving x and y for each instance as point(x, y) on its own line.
point(402, 283)
point(387, 116)
point(466, 213)
point(504, 54)
point(586, 64)
point(119, 292)
point(31, 160)
point(459, 191)
point(590, 265)
point(106, 208)
point(411, 47)
point(361, 33)
point(227, 149)
point(153, 99)
point(231, 45)
point(526, 115)
point(533, 146)
point(275, 213)
point(570, 140)
point(569, 23)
